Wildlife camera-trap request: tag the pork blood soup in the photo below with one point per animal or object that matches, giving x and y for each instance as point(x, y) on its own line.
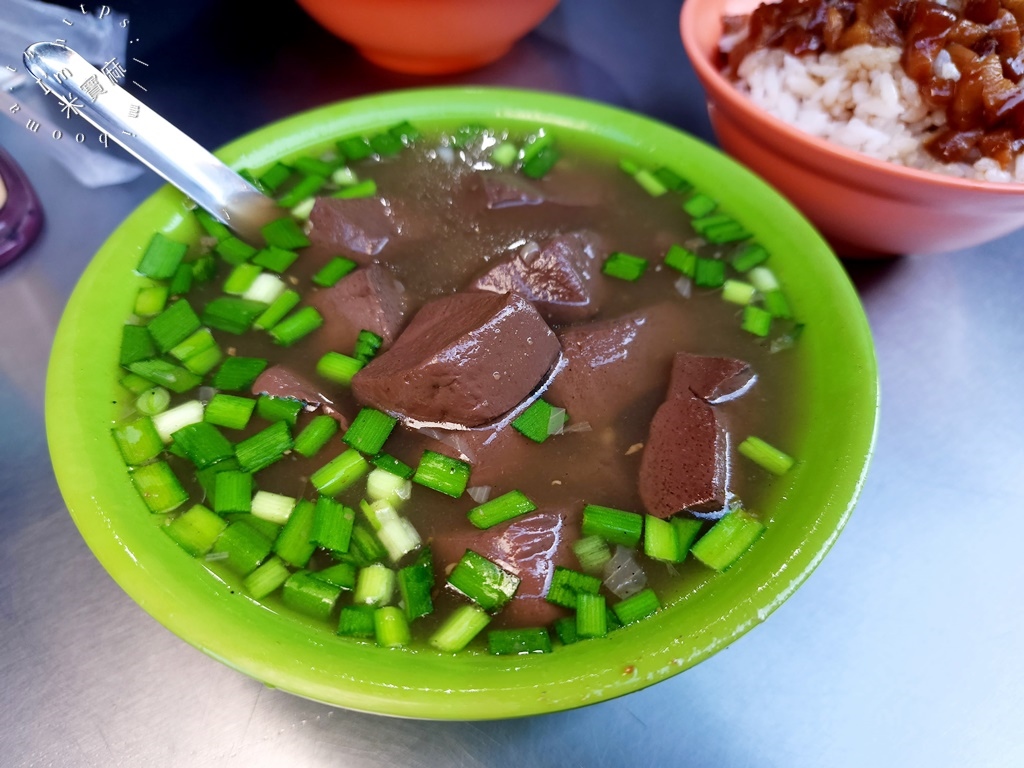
point(576, 345)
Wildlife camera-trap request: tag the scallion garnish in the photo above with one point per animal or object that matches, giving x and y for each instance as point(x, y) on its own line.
point(234, 251)
point(375, 585)
point(151, 300)
point(641, 605)
point(391, 627)
point(535, 421)
point(340, 473)
point(331, 272)
point(245, 547)
point(138, 440)
point(307, 186)
point(415, 583)
point(274, 507)
point(232, 314)
point(264, 448)
point(483, 581)
point(500, 509)
point(293, 543)
point(591, 615)
point(766, 456)
point(173, 325)
point(275, 259)
point(285, 233)
point(296, 326)
point(503, 642)
point(285, 409)
point(442, 473)
point(464, 623)
point(267, 578)
point(708, 273)
point(756, 320)
point(196, 529)
point(229, 411)
point(315, 435)
point(309, 595)
point(699, 204)
point(278, 309)
point(390, 464)
point(174, 377)
point(369, 430)
point(232, 492)
point(202, 444)
point(238, 373)
point(615, 526)
point(332, 524)
point(727, 539)
point(339, 368)
point(161, 257)
point(681, 259)
point(356, 621)
point(661, 541)
point(624, 266)
point(136, 344)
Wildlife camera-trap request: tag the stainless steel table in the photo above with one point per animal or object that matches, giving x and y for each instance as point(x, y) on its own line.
point(903, 648)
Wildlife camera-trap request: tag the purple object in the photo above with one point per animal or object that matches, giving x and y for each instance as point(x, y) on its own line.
point(21, 215)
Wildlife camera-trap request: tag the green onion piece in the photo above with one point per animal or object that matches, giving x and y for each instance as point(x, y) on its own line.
point(202, 444)
point(364, 188)
point(368, 344)
point(153, 401)
point(382, 485)
point(296, 326)
point(284, 409)
point(369, 430)
point(390, 464)
point(504, 154)
point(442, 473)
point(355, 147)
point(484, 582)
point(505, 642)
point(332, 524)
point(777, 305)
point(135, 384)
point(672, 180)
point(591, 615)
point(756, 320)
point(565, 628)
point(275, 176)
point(738, 292)
point(375, 585)
point(315, 435)
point(535, 421)
point(229, 411)
point(234, 251)
point(566, 584)
point(241, 279)
point(364, 547)
point(170, 421)
point(204, 361)
point(628, 167)
point(196, 529)
point(333, 271)
point(650, 183)
point(356, 621)
point(344, 177)
point(266, 579)
point(313, 165)
point(173, 325)
point(173, 377)
point(307, 186)
point(232, 314)
point(338, 368)
point(644, 603)
point(232, 492)
point(615, 526)
point(208, 479)
point(405, 132)
point(151, 300)
point(624, 266)
point(268, 528)
point(592, 552)
point(341, 575)
point(244, 546)
point(275, 259)
point(501, 509)
point(749, 256)
point(161, 257)
point(687, 530)
point(386, 144)
point(196, 343)
point(238, 373)
point(391, 627)
point(136, 345)
point(661, 541)
point(709, 273)
point(699, 204)
point(293, 544)
point(307, 594)
point(398, 536)
point(203, 269)
point(181, 282)
point(415, 583)
point(277, 310)
point(719, 228)
point(340, 473)
point(264, 448)
point(285, 233)
point(727, 539)
point(538, 150)
point(273, 507)
point(266, 288)
point(213, 227)
point(681, 260)
point(138, 440)
point(464, 623)
point(766, 456)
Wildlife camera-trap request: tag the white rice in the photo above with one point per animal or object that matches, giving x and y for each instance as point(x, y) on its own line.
point(861, 99)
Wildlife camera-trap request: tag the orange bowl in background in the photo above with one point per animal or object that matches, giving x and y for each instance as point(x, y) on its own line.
point(429, 37)
point(863, 206)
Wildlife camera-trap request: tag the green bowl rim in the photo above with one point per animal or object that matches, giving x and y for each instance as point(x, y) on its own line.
point(283, 651)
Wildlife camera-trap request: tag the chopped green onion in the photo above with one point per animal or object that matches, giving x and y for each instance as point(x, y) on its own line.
point(661, 541)
point(390, 464)
point(592, 552)
point(357, 621)
point(315, 436)
point(364, 188)
point(682, 260)
point(213, 227)
point(756, 320)
point(355, 147)
point(284, 409)
point(204, 361)
point(591, 615)
point(195, 344)
point(333, 271)
point(202, 444)
point(405, 132)
point(234, 251)
point(174, 377)
point(687, 530)
point(501, 509)
point(615, 526)
point(398, 536)
point(266, 289)
point(170, 421)
point(275, 259)
point(748, 257)
point(275, 507)
point(386, 144)
point(313, 165)
point(535, 421)
point(766, 456)
point(232, 314)
point(369, 430)
point(415, 583)
point(285, 233)
point(181, 282)
point(264, 448)
point(229, 411)
point(340, 473)
point(135, 384)
point(136, 345)
point(565, 628)
point(173, 325)
point(728, 538)
point(699, 204)
point(368, 344)
point(151, 300)
point(382, 485)
point(278, 309)
point(138, 440)
point(232, 492)
point(161, 257)
point(442, 473)
point(275, 176)
point(267, 578)
point(297, 325)
point(464, 623)
point(502, 642)
point(309, 595)
point(672, 180)
point(158, 486)
point(709, 273)
point(238, 373)
point(644, 603)
point(738, 292)
point(338, 368)
point(332, 524)
point(567, 583)
point(244, 546)
point(650, 183)
point(391, 627)
point(375, 585)
point(485, 582)
point(204, 268)
point(624, 266)
point(268, 528)
point(293, 544)
point(196, 529)
point(364, 547)
point(340, 575)
point(307, 186)
point(504, 154)
point(777, 305)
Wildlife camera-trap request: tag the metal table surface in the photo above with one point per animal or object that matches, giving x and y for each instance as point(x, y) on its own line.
point(903, 648)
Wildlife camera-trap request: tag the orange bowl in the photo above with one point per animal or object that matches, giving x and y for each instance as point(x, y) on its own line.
point(429, 36)
point(863, 206)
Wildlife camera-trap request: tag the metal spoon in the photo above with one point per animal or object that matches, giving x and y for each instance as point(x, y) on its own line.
point(88, 92)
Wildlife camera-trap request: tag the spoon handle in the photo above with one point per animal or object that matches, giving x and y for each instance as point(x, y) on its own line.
point(86, 91)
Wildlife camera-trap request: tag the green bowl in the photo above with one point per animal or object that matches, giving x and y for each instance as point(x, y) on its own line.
point(804, 514)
